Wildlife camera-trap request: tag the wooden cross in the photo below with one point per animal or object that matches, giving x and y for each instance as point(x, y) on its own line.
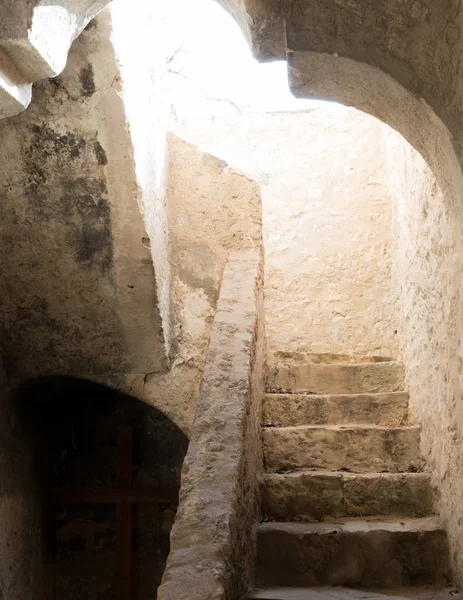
point(124, 495)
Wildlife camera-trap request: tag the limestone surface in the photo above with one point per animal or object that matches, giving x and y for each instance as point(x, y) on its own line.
point(327, 216)
point(213, 542)
point(337, 379)
point(35, 39)
point(317, 495)
point(346, 504)
point(298, 409)
point(358, 448)
point(355, 553)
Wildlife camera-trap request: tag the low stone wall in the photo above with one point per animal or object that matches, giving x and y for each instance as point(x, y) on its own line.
point(212, 212)
point(212, 541)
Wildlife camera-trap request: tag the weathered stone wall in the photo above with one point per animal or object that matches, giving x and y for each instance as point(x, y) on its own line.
point(34, 43)
point(427, 267)
point(370, 54)
point(213, 211)
point(213, 538)
point(141, 47)
point(78, 284)
point(327, 225)
point(79, 293)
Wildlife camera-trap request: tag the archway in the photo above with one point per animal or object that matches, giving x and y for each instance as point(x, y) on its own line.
point(427, 187)
point(103, 533)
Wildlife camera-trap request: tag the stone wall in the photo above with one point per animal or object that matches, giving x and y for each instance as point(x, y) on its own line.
point(34, 44)
point(213, 210)
point(327, 225)
point(141, 47)
point(23, 555)
point(213, 538)
point(78, 285)
point(427, 267)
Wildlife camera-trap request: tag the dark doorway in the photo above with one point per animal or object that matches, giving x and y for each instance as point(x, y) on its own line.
point(75, 427)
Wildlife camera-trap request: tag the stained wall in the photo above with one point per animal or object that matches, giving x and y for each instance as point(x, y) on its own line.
point(79, 291)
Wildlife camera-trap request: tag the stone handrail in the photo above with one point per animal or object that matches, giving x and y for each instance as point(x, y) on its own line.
point(213, 538)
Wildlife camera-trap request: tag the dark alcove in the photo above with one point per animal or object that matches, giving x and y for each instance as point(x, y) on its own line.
point(107, 536)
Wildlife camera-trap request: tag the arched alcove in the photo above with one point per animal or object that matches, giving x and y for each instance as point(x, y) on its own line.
point(107, 470)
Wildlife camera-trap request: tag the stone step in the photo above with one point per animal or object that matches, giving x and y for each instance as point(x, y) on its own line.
point(285, 410)
point(356, 448)
point(366, 378)
point(339, 593)
point(391, 553)
point(315, 495)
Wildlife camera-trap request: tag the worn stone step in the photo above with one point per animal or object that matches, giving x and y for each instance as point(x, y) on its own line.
point(366, 378)
point(391, 553)
point(422, 592)
point(356, 448)
point(339, 593)
point(315, 495)
point(309, 409)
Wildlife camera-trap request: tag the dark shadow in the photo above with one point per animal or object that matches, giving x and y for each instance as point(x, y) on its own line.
point(72, 426)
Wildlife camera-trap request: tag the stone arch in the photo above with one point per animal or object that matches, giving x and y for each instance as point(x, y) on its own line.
point(430, 336)
point(395, 88)
point(371, 90)
point(400, 64)
point(70, 432)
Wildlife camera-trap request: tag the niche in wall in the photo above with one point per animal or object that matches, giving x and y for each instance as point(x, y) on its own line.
point(87, 438)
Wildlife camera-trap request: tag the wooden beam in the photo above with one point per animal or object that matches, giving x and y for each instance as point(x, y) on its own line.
point(115, 495)
point(124, 495)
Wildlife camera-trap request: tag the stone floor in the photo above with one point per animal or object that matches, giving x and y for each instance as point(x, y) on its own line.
point(336, 593)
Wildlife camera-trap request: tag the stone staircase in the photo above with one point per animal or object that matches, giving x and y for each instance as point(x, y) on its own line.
point(345, 501)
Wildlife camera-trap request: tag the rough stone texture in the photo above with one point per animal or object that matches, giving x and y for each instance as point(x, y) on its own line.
point(356, 553)
point(79, 293)
point(341, 473)
point(430, 329)
point(141, 49)
point(327, 224)
point(309, 495)
point(213, 211)
point(353, 49)
point(334, 50)
point(213, 539)
point(35, 37)
point(430, 234)
point(428, 224)
point(336, 379)
point(284, 410)
point(340, 593)
point(336, 447)
point(263, 28)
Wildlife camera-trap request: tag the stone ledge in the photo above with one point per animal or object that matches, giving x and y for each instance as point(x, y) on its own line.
point(213, 541)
